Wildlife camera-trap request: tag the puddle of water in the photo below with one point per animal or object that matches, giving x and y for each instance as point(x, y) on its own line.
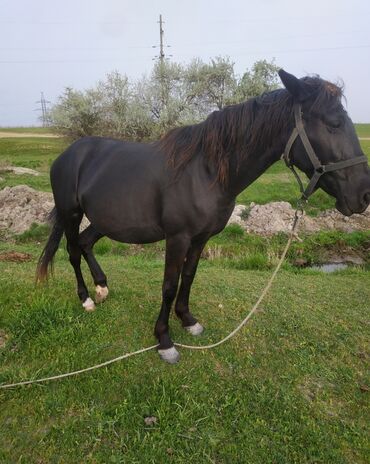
point(330, 267)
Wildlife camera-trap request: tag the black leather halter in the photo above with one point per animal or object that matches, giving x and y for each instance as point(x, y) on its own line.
point(319, 169)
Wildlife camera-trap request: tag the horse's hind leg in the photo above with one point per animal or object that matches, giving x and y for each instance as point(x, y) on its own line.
point(187, 276)
point(87, 240)
point(72, 224)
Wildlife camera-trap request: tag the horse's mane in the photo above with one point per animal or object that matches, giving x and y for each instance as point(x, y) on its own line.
point(238, 130)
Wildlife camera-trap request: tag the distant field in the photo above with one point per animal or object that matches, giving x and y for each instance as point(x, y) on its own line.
point(363, 130)
point(30, 130)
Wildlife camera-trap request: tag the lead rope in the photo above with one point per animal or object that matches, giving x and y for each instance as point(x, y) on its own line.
point(297, 215)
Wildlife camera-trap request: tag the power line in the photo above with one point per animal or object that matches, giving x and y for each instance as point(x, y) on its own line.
point(236, 52)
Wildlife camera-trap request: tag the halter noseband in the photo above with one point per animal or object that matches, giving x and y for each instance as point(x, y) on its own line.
point(319, 169)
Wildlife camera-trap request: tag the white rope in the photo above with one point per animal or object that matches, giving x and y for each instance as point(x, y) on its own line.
point(181, 345)
point(70, 374)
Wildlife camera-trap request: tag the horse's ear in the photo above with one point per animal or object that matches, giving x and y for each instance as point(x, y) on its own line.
point(294, 86)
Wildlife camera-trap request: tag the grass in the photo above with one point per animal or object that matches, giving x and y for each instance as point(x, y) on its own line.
point(292, 387)
point(289, 388)
point(36, 153)
point(363, 130)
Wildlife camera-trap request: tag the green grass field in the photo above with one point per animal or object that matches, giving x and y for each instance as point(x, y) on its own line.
point(363, 130)
point(291, 387)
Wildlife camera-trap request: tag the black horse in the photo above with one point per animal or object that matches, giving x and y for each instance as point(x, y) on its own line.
point(183, 187)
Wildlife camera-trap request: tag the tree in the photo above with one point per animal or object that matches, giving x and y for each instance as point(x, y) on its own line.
point(215, 82)
point(77, 113)
point(174, 94)
point(261, 78)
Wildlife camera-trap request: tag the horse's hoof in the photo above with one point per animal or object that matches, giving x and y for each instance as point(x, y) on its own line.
point(88, 305)
point(195, 329)
point(170, 355)
point(101, 293)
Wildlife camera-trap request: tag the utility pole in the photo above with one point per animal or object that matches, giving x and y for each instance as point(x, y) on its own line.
point(161, 32)
point(161, 57)
point(44, 110)
point(161, 45)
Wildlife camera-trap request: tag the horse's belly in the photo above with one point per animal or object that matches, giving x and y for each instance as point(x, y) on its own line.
point(134, 234)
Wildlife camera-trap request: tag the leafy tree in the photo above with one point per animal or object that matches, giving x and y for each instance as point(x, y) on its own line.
point(174, 94)
point(214, 83)
point(77, 113)
point(261, 78)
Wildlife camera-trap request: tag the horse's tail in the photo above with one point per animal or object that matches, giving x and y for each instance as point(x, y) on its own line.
point(46, 259)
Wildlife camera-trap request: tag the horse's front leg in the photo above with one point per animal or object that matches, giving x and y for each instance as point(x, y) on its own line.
point(176, 249)
point(187, 276)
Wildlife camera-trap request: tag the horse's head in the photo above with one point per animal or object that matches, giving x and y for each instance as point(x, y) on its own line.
point(331, 134)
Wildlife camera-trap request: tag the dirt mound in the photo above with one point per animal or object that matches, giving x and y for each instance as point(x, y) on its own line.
point(21, 206)
point(276, 217)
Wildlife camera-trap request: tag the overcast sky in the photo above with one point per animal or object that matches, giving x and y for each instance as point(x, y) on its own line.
point(47, 45)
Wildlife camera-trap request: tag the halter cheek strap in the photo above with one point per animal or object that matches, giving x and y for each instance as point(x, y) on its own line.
point(319, 169)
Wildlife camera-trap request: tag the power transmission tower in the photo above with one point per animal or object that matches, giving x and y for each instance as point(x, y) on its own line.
point(44, 110)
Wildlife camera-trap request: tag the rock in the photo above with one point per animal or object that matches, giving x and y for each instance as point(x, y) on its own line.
point(150, 420)
point(237, 215)
point(20, 170)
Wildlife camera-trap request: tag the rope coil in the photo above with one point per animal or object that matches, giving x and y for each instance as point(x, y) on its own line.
point(297, 215)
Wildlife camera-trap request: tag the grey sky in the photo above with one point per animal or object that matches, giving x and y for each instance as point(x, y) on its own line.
point(47, 45)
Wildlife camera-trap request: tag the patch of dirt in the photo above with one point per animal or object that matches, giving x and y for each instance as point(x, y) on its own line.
point(276, 217)
point(5, 134)
point(15, 256)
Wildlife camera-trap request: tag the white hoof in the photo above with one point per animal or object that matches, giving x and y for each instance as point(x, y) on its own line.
point(170, 355)
point(88, 305)
point(195, 329)
point(101, 293)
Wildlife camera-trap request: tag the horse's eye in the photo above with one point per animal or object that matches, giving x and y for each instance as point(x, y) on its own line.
point(333, 124)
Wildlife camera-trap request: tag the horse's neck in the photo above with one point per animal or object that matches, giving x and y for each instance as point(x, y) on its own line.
point(252, 167)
